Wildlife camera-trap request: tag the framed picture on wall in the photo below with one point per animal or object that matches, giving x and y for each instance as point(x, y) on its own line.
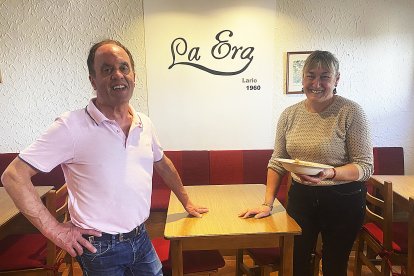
point(294, 66)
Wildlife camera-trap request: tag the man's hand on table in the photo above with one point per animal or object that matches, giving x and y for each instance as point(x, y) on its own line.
point(195, 210)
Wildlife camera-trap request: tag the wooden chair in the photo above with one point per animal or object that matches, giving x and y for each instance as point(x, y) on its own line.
point(194, 261)
point(267, 260)
point(381, 242)
point(33, 254)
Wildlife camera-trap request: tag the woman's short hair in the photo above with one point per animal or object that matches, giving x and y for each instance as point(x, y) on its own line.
point(94, 48)
point(322, 59)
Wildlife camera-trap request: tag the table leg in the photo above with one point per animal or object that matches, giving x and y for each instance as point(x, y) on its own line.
point(286, 245)
point(239, 261)
point(176, 250)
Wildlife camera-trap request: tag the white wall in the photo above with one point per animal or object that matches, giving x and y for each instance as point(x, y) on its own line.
point(211, 106)
point(43, 49)
point(374, 42)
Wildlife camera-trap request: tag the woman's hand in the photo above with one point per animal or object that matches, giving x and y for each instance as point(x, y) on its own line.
point(315, 179)
point(259, 212)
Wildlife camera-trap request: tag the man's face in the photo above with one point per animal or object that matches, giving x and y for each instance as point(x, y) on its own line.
point(114, 79)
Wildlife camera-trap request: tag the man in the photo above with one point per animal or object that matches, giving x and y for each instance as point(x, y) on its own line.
point(107, 152)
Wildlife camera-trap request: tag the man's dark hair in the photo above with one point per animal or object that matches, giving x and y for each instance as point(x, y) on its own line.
point(92, 51)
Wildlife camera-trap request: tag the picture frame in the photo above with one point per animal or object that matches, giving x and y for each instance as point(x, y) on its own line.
point(294, 67)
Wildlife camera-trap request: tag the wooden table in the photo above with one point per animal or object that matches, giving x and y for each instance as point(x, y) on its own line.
point(403, 189)
point(221, 228)
point(11, 220)
point(402, 186)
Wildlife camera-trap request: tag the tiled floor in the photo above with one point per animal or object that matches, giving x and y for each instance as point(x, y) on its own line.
point(229, 268)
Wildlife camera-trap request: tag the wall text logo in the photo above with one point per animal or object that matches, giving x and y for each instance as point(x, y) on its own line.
point(223, 50)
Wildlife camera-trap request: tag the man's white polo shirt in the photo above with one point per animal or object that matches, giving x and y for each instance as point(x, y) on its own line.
point(109, 175)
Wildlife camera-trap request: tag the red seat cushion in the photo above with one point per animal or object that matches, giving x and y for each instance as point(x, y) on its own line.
point(399, 233)
point(23, 252)
point(193, 261)
point(265, 256)
point(162, 247)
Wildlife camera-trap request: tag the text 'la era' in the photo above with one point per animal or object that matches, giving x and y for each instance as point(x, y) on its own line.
point(222, 50)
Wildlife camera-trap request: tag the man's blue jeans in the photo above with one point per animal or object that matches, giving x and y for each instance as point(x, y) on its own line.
point(135, 256)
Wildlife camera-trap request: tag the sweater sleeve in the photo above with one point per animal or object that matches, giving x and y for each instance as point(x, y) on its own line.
point(279, 150)
point(359, 143)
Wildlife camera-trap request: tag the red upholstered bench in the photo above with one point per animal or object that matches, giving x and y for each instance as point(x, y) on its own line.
point(53, 178)
point(226, 167)
point(242, 167)
point(193, 168)
point(388, 160)
point(214, 167)
point(160, 191)
point(202, 167)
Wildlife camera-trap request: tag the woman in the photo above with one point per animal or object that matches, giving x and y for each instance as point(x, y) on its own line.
point(329, 129)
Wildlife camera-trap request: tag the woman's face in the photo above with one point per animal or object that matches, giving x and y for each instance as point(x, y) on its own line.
point(319, 83)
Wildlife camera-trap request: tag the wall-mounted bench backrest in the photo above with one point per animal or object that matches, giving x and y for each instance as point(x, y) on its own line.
point(219, 167)
point(215, 167)
point(388, 160)
point(53, 178)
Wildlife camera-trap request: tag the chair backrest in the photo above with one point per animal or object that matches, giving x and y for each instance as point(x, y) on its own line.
point(57, 204)
point(32, 253)
point(379, 208)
